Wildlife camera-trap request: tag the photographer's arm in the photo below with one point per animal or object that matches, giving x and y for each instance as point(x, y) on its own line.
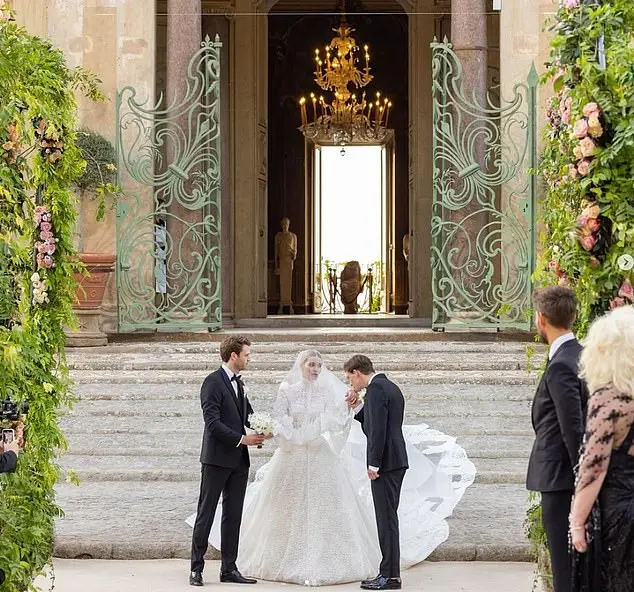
point(8, 462)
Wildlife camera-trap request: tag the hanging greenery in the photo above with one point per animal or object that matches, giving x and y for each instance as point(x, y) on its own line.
point(588, 160)
point(39, 160)
point(587, 167)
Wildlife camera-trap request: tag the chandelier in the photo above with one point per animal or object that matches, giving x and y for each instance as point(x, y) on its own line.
point(347, 117)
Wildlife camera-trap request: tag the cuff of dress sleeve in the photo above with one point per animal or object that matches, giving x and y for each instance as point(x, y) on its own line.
point(375, 469)
point(357, 408)
point(240, 441)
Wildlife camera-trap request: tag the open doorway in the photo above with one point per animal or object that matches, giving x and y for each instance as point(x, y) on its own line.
point(352, 235)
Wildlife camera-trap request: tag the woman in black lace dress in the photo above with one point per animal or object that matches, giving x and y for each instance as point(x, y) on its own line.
point(606, 467)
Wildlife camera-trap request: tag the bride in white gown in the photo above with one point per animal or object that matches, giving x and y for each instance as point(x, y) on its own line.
point(308, 516)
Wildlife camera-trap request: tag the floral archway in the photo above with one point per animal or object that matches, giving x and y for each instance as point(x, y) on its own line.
point(588, 163)
point(38, 162)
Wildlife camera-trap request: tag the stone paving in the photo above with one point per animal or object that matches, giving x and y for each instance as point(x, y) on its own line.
point(135, 435)
point(171, 576)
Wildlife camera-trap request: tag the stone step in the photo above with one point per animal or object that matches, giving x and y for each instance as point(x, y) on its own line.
point(457, 376)
point(146, 520)
point(414, 406)
point(326, 347)
point(159, 442)
point(462, 393)
point(187, 468)
point(334, 333)
point(283, 363)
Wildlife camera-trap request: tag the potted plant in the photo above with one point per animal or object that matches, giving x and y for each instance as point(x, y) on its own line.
point(96, 185)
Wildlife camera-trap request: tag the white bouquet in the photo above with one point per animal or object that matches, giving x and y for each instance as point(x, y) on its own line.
point(262, 423)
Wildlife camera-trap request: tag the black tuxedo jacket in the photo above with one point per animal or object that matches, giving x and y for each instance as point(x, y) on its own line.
point(225, 416)
point(558, 416)
point(382, 421)
point(8, 462)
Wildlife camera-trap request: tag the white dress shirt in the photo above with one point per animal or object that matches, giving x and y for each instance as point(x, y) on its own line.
point(559, 342)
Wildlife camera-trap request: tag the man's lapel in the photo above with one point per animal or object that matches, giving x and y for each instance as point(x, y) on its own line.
point(231, 392)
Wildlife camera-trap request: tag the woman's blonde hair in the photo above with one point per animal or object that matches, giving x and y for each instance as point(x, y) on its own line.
point(608, 352)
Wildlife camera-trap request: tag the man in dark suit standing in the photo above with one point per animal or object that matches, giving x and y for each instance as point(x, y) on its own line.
point(381, 416)
point(558, 417)
point(225, 460)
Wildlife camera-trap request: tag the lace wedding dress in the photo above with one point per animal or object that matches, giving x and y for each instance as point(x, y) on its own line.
point(308, 516)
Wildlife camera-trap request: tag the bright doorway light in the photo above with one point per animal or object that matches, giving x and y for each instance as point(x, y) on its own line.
point(351, 204)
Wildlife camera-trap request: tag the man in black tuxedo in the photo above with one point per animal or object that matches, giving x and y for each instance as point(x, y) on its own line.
point(225, 460)
point(381, 416)
point(558, 416)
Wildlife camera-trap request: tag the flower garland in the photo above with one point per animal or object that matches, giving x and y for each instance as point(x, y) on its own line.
point(588, 158)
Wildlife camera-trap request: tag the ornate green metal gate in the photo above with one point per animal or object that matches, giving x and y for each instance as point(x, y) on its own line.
point(168, 219)
point(483, 201)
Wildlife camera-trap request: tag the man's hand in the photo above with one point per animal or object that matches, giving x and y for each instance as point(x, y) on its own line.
point(253, 440)
point(373, 475)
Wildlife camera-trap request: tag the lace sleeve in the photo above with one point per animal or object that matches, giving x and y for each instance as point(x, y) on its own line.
point(290, 427)
point(610, 415)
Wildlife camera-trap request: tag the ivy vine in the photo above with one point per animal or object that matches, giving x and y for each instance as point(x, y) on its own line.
point(39, 161)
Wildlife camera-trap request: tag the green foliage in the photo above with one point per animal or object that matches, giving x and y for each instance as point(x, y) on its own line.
point(588, 160)
point(100, 174)
point(39, 160)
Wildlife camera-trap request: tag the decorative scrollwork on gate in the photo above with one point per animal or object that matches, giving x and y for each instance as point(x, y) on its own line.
point(168, 221)
point(483, 200)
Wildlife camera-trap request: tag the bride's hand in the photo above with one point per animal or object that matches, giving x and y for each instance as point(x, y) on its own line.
point(579, 540)
point(352, 399)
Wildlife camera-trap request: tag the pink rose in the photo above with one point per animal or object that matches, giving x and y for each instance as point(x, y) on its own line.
point(616, 303)
point(593, 224)
point(595, 129)
point(583, 167)
point(581, 129)
point(588, 147)
point(48, 261)
point(49, 248)
point(46, 235)
point(578, 153)
point(588, 242)
point(570, 4)
point(40, 247)
point(566, 116)
point(46, 226)
point(591, 110)
point(591, 210)
point(627, 291)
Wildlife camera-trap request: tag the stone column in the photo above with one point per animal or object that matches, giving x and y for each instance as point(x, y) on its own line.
point(249, 101)
point(184, 30)
point(421, 34)
point(469, 40)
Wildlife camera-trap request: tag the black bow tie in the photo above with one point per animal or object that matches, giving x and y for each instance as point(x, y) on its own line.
point(237, 378)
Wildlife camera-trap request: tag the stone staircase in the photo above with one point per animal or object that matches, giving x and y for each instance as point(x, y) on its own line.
point(135, 433)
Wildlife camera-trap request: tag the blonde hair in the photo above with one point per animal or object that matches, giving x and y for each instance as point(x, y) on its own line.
point(608, 352)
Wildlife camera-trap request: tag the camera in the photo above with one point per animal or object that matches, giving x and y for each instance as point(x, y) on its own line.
point(11, 411)
point(8, 436)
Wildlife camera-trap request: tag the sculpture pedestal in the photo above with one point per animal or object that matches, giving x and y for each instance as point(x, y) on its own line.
point(89, 334)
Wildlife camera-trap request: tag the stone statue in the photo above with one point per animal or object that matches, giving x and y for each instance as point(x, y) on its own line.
point(351, 287)
point(285, 253)
point(406, 247)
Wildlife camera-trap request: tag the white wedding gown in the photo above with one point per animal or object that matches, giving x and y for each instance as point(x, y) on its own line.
point(308, 516)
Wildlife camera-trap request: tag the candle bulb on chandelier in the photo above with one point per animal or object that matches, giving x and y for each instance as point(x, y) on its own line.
point(387, 114)
point(312, 96)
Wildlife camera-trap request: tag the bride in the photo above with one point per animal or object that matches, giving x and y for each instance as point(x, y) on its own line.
point(308, 516)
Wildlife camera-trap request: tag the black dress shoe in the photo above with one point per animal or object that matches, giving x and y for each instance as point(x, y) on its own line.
point(366, 582)
point(196, 578)
point(235, 577)
point(382, 583)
